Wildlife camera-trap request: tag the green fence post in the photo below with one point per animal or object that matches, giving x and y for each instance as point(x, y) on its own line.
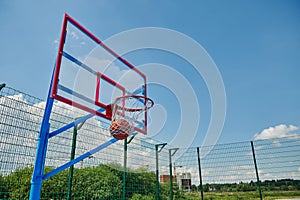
point(256, 170)
point(157, 172)
point(125, 166)
point(73, 150)
point(171, 173)
point(72, 166)
point(124, 169)
point(200, 175)
point(2, 86)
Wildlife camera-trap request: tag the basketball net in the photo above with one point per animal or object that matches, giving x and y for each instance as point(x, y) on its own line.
point(127, 113)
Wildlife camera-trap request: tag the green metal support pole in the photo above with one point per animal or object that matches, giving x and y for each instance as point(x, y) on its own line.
point(171, 173)
point(157, 171)
point(157, 176)
point(72, 166)
point(73, 150)
point(200, 175)
point(256, 170)
point(126, 142)
point(124, 169)
point(2, 86)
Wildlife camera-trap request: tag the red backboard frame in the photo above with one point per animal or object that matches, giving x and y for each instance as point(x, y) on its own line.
point(55, 85)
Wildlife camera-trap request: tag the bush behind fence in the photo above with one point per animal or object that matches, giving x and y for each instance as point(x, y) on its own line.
point(130, 171)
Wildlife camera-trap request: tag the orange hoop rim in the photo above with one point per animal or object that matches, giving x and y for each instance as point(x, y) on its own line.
point(146, 100)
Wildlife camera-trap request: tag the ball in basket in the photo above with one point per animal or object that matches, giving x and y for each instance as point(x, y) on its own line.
point(120, 129)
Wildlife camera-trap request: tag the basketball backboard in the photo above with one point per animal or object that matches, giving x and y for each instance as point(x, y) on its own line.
point(89, 75)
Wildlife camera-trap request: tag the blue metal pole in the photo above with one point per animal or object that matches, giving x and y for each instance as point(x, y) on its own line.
point(36, 180)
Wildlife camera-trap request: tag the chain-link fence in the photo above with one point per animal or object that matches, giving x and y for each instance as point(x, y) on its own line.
point(138, 168)
point(245, 170)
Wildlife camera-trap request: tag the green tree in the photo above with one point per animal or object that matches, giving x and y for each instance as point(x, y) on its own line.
point(141, 197)
point(140, 181)
point(194, 188)
point(18, 183)
point(96, 183)
point(56, 186)
point(165, 191)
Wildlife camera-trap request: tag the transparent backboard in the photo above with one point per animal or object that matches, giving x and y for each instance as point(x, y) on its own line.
point(90, 76)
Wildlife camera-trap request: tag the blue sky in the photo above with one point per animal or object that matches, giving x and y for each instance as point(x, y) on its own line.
point(255, 45)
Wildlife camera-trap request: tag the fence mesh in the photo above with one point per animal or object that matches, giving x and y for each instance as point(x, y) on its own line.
point(127, 169)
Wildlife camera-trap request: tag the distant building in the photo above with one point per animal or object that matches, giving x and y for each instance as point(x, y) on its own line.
point(165, 178)
point(184, 181)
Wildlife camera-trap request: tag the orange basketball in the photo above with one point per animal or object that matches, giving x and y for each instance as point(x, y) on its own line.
point(120, 129)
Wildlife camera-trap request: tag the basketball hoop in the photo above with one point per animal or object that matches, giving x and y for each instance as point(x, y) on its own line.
point(126, 114)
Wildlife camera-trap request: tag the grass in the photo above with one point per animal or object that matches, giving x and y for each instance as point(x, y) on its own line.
point(267, 195)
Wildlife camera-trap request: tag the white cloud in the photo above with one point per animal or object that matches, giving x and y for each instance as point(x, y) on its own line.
point(278, 131)
point(19, 127)
point(277, 144)
point(74, 35)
